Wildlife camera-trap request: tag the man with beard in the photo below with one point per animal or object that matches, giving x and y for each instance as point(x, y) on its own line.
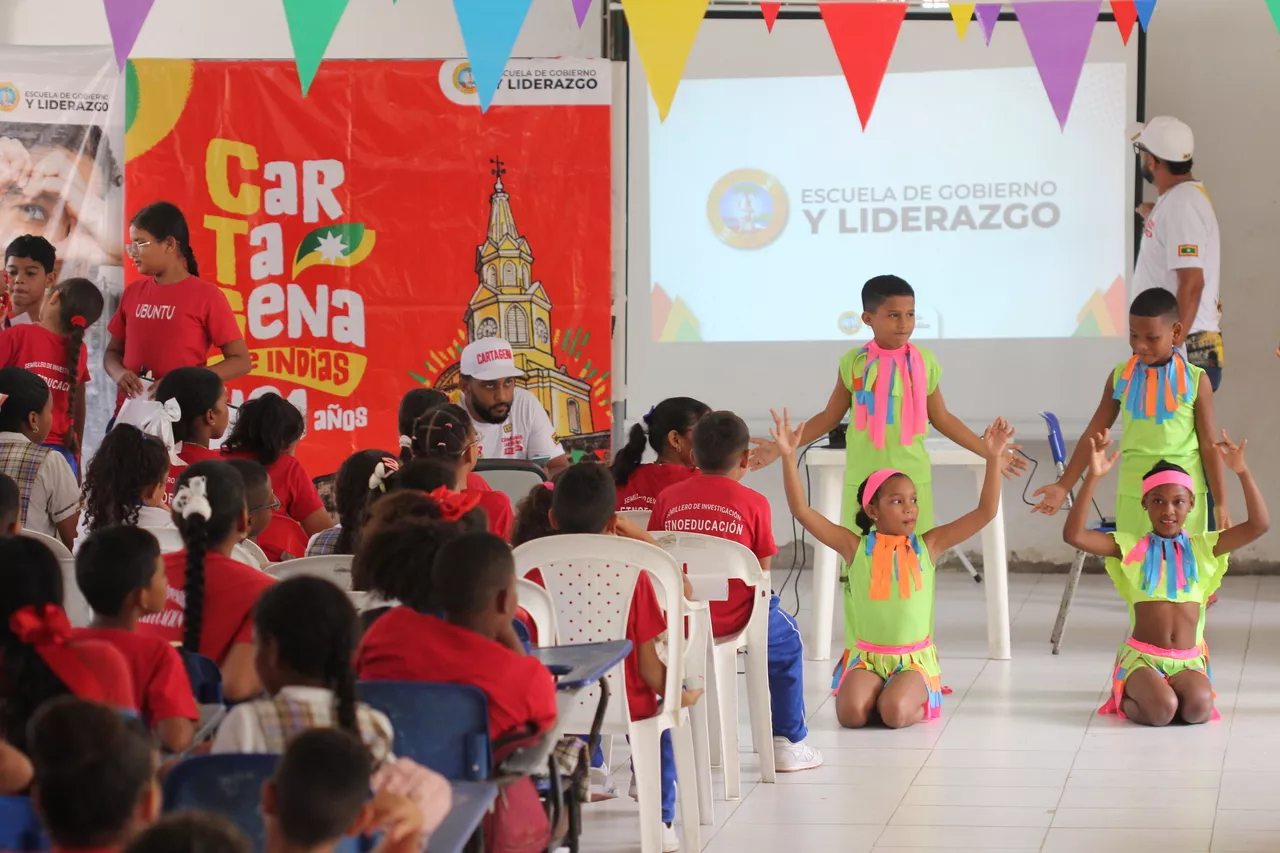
point(1180, 240)
point(509, 421)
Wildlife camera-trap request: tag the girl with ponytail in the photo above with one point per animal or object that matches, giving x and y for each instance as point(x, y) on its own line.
point(306, 635)
point(211, 595)
point(670, 434)
point(54, 350)
point(413, 405)
point(170, 318)
point(446, 436)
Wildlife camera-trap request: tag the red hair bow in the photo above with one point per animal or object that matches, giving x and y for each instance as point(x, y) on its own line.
point(79, 322)
point(454, 505)
point(46, 629)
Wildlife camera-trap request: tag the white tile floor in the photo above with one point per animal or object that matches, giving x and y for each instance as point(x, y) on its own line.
point(1020, 761)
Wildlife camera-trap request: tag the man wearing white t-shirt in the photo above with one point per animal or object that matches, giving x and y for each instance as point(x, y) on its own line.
point(1181, 249)
point(510, 422)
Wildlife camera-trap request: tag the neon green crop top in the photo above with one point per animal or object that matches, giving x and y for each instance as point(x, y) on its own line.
point(890, 587)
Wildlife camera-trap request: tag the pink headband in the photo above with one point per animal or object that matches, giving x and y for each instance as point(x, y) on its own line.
point(1168, 478)
point(874, 482)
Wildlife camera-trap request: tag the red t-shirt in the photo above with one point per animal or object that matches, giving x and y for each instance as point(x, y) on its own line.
point(293, 487)
point(190, 454)
point(497, 507)
point(162, 689)
point(167, 326)
point(230, 590)
point(44, 353)
point(111, 671)
point(645, 621)
point(476, 483)
point(647, 482)
point(282, 536)
point(405, 645)
point(723, 507)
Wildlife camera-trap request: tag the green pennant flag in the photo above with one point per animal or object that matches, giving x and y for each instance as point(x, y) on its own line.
point(311, 26)
point(343, 244)
point(1274, 6)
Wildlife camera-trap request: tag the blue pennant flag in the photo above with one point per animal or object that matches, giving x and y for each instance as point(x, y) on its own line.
point(489, 31)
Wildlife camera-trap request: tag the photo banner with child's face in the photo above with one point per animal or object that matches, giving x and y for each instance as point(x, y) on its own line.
point(61, 178)
point(365, 234)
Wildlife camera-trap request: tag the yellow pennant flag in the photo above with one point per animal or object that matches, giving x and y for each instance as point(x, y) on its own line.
point(962, 14)
point(664, 31)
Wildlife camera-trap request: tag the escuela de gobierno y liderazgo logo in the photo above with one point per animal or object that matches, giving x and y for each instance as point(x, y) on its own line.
point(747, 209)
point(10, 97)
point(463, 80)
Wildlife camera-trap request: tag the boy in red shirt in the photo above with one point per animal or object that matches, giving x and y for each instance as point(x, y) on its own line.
point(94, 785)
point(121, 574)
point(29, 263)
point(717, 504)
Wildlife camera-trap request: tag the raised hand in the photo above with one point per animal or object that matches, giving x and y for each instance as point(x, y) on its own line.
point(1052, 497)
point(1232, 454)
point(763, 453)
point(995, 439)
point(786, 439)
point(1100, 464)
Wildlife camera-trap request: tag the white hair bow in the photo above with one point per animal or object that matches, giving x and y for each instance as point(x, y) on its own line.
point(193, 499)
point(381, 471)
point(406, 441)
point(171, 410)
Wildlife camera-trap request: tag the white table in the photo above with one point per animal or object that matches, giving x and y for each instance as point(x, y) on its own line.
point(828, 468)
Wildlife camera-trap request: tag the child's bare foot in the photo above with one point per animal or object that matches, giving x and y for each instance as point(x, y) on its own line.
point(691, 697)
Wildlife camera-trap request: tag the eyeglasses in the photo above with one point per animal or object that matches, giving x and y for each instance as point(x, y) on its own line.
point(273, 506)
point(136, 246)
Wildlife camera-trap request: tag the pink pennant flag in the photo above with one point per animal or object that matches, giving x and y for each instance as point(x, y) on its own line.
point(125, 19)
point(770, 12)
point(1058, 33)
point(988, 17)
point(580, 8)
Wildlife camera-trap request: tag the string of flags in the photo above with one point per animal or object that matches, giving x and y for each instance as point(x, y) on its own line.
point(863, 36)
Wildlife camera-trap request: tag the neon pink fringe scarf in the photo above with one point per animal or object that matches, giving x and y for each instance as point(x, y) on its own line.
point(873, 410)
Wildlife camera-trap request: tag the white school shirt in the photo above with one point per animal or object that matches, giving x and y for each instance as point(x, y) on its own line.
point(527, 432)
point(148, 517)
point(54, 494)
point(1182, 233)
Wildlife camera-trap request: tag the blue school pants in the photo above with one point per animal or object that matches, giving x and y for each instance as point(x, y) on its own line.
point(786, 674)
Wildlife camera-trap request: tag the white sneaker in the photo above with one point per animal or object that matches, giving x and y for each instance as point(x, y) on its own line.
point(791, 757)
point(670, 841)
point(602, 786)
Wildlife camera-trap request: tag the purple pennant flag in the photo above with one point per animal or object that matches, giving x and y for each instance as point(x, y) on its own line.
point(125, 19)
point(1145, 9)
point(988, 15)
point(580, 8)
point(1058, 33)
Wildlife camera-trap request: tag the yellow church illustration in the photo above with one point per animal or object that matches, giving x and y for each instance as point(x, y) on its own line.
point(508, 303)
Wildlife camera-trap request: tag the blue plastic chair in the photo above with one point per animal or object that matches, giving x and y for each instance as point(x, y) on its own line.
point(206, 678)
point(442, 726)
point(1058, 448)
point(20, 828)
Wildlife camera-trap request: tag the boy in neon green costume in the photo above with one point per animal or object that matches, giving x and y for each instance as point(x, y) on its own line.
point(890, 667)
point(1166, 576)
point(1166, 409)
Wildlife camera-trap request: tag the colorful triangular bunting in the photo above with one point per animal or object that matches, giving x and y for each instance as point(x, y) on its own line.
point(489, 32)
point(1146, 8)
point(962, 14)
point(1058, 33)
point(1126, 15)
point(664, 32)
point(311, 26)
point(863, 35)
point(580, 9)
point(125, 19)
point(988, 17)
point(770, 12)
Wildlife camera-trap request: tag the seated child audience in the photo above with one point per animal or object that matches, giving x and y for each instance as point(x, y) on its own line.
point(268, 430)
point(414, 405)
point(10, 507)
point(31, 268)
point(50, 497)
point(39, 656)
point(121, 574)
point(305, 635)
point(278, 536)
point(53, 349)
point(446, 435)
point(211, 595)
point(439, 478)
point(94, 785)
point(320, 793)
point(125, 482)
point(191, 832)
point(204, 414)
point(718, 504)
point(670, 434)
point(351, 493)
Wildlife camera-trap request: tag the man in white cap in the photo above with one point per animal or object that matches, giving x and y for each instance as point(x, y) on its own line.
point(1181, 251)
point(509, 421)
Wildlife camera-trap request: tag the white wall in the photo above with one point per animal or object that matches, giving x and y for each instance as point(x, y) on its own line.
point(1213, 63)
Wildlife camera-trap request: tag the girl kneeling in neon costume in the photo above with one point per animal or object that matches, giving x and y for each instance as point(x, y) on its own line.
point(890, 669)
point(1162, 671)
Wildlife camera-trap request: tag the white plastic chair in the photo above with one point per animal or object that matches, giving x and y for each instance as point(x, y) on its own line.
point(638, 517)
point(700, 554)
point(335, 568)
point(257, 558)
point(169, 538)
point(512, 477)
point(62, 552)
point(592, 579)
point(171, 542)
point(537, 602)
point(78, 611)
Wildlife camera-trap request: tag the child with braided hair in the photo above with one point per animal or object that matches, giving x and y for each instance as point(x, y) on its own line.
point(446, 435)
point(54, 350)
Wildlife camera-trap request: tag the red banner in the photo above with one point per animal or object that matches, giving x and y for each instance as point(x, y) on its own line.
point(365, 234)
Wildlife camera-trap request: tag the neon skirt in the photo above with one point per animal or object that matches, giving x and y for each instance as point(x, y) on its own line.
point(1135, 655)
point(888, 661)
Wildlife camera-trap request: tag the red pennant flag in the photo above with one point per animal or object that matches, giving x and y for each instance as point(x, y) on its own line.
point(1126, 14)
point(770, 12)
point(863, 35)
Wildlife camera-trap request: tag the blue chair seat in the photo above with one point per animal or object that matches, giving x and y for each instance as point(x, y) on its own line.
point(441, 726)
point(20, 828)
